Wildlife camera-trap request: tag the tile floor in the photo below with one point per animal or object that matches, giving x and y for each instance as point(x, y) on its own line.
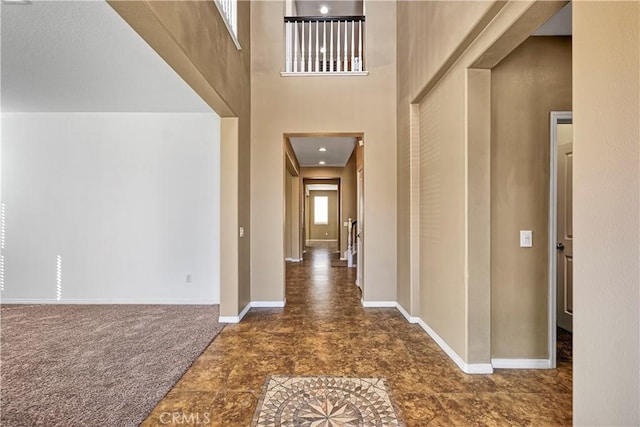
point(323, 330)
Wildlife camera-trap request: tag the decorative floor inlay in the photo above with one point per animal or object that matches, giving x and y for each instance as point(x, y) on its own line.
point(325, 402)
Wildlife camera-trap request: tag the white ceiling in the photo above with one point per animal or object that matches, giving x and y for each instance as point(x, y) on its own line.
point(558, 25)
point(336, 7)
point(339, 150)
point(81, 56)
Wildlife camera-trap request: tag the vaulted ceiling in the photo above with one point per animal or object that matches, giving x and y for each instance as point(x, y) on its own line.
point(81, 56)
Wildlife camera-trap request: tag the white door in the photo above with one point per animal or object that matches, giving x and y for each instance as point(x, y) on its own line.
point(564, 242)
point(360, 231)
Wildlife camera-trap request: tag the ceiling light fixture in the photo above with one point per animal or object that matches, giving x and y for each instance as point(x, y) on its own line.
point(322, 149)
point(324, 10)
point(321, 162)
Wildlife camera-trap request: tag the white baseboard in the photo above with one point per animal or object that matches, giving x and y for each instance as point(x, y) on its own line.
point(269, 304)
point(521, 363)
point(467, 368)
point(321, 240)
point(235, 319)
point(405, 313)
point(150, 301)
point(252, 304)
point(293, 259)
point(372, 304)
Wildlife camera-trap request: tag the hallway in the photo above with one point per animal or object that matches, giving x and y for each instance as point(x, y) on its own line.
point(324, 330)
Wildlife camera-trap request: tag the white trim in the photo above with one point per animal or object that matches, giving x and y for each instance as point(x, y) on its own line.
point(405, 313)
point(229, 25)
point(268, 304)
point(372, 304)
point(235, 319)
point(468, 368)
point(187, 301)
point(325, 74)
point(555, 118)
point(521, 363)
point(252, 304)
point(293, 259)
point(321, 240)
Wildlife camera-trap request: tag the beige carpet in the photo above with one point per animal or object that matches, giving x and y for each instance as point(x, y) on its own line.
point(325, 402)
point(95, 365)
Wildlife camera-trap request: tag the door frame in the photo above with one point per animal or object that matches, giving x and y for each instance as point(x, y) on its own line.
point(556, 118)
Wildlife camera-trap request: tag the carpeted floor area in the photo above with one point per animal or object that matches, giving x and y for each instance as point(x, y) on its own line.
point(81, 365)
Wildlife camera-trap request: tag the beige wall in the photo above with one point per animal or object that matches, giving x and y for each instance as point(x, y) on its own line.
point(606, 205)
point(520, 191)
point(324, 231)
point(429, 35)
point(350, 104)
point(192, 38)
point(451, 156)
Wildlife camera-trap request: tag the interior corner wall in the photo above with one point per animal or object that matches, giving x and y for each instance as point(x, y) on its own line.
point(606, 213)
point(444, 40)
point(323, 104)
point(520, 153)
point(403, 160)
point(428, 35)
point(442, 210)
point(128, 201)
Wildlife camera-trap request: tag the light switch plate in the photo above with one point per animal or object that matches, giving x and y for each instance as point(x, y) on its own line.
point(526, 238)
point(241, 231)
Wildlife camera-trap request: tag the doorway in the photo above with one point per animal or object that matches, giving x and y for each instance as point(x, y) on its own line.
point(322, 216)
point(561, 229)
point(331, 203)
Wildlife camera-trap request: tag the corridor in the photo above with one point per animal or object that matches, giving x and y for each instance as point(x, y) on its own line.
point(324, 330)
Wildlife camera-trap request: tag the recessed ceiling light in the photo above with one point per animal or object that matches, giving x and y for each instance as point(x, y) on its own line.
point(324, 10)
point(321, 162)
point(322, 149)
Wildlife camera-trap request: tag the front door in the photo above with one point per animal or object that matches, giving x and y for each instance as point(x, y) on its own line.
point(564, 245)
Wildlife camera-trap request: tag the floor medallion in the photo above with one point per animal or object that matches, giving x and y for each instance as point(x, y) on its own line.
point(325, 402)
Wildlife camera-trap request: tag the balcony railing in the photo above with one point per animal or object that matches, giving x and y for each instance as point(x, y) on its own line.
point(324, 45)
point(229, 11)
